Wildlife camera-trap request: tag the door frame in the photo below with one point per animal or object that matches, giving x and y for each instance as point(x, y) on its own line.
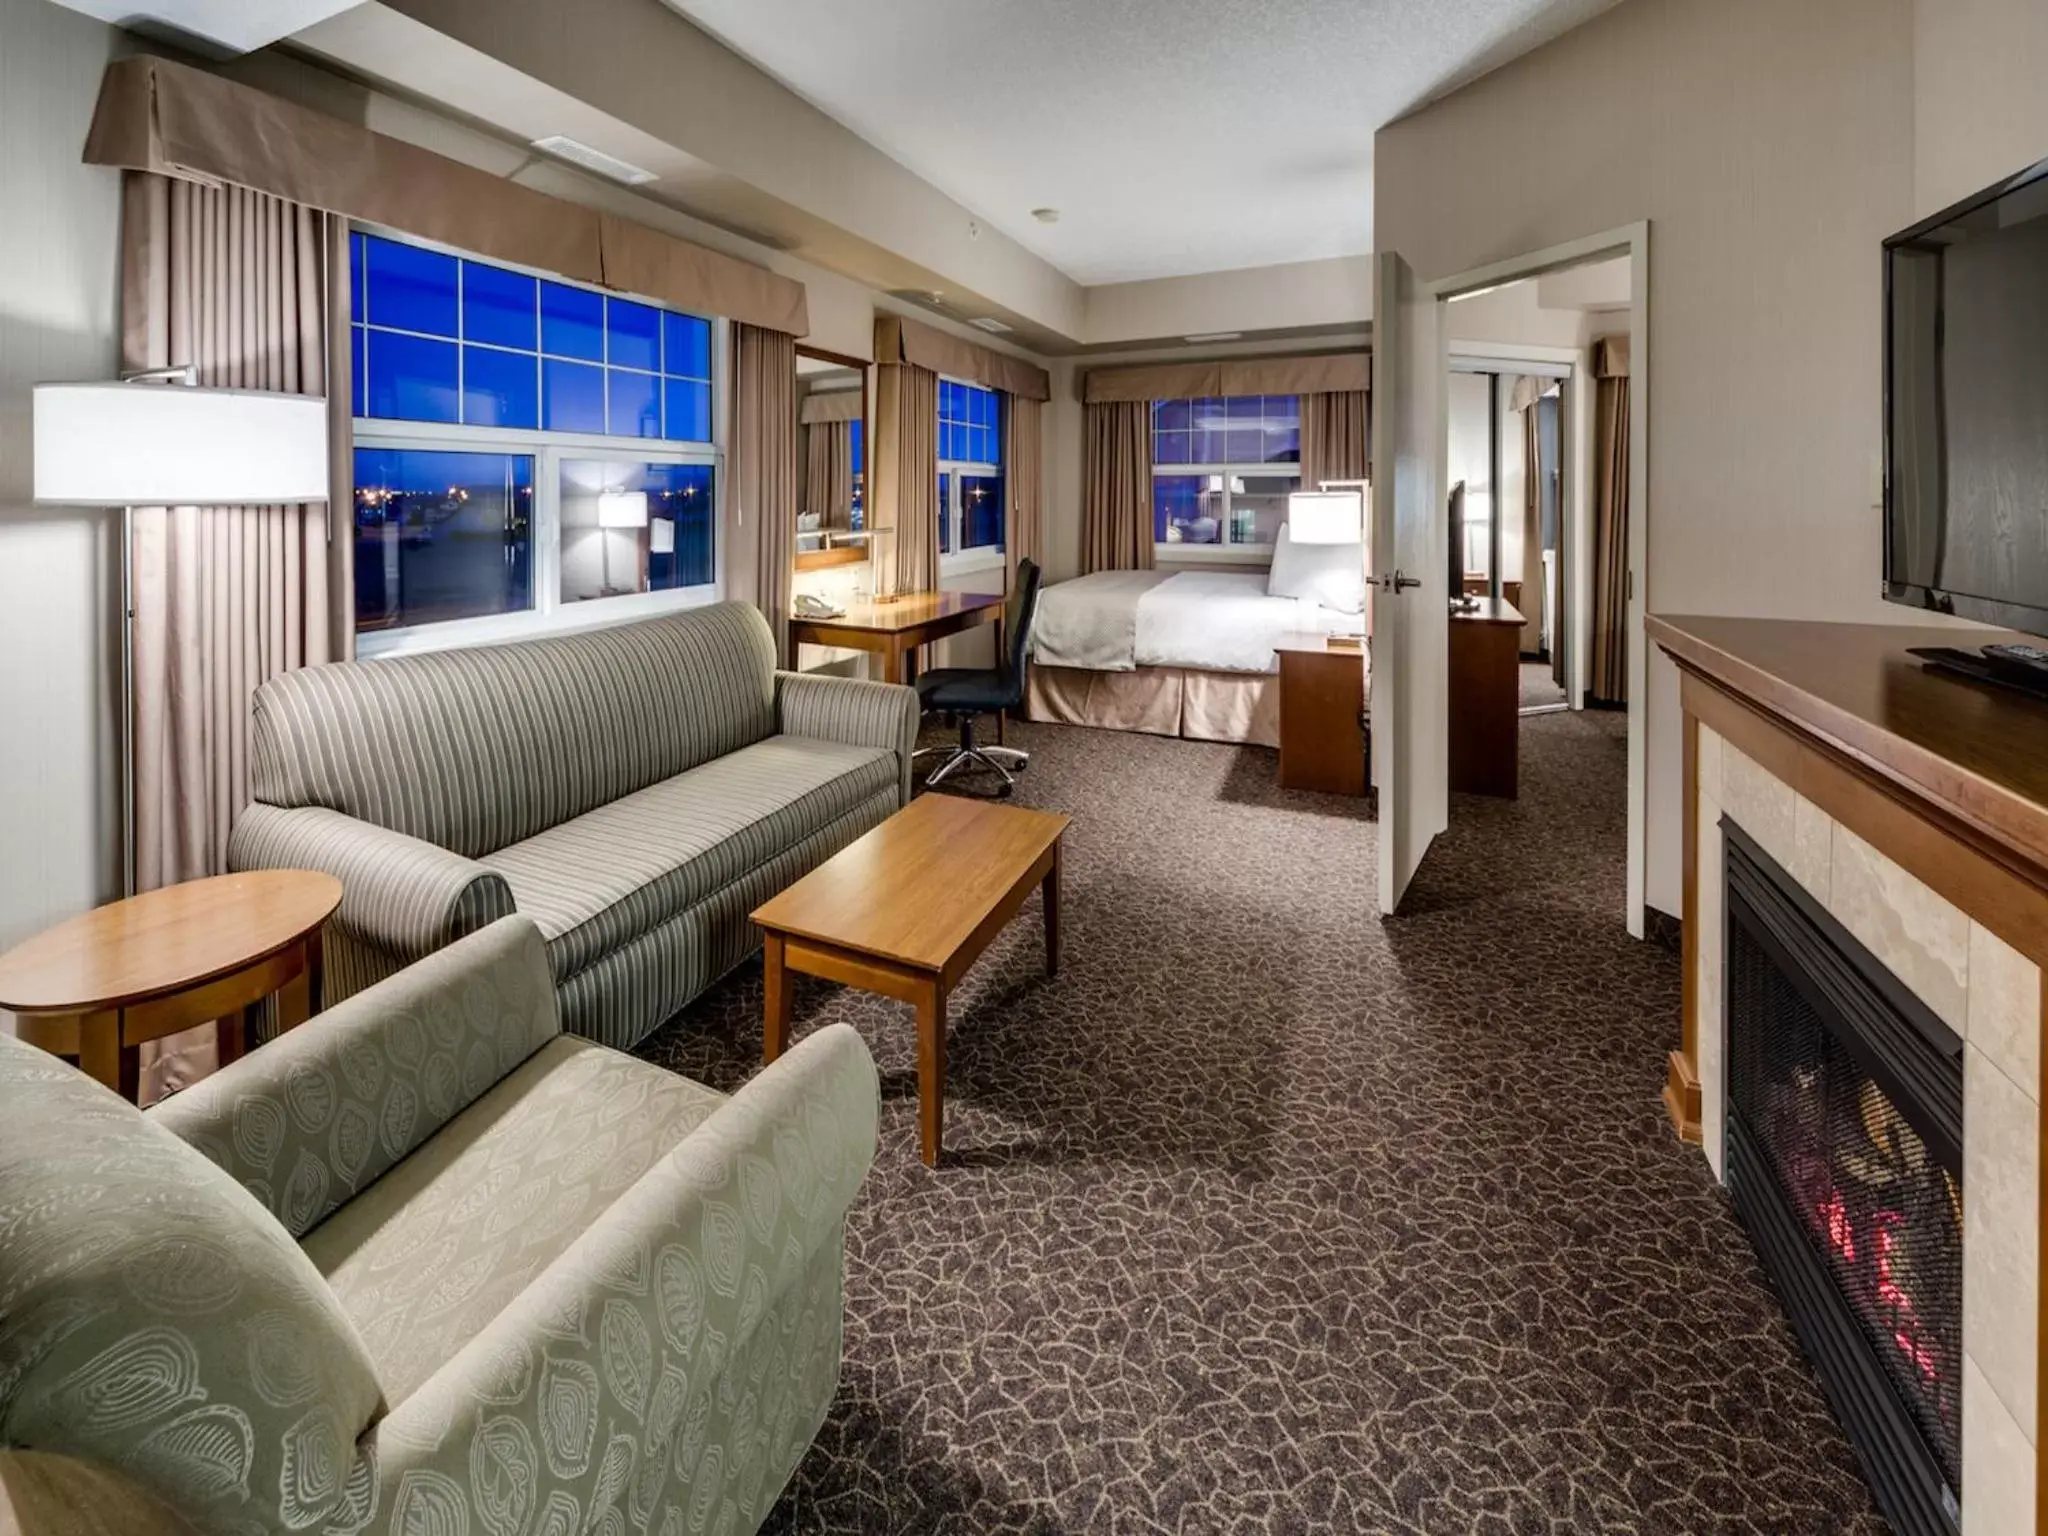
point(1633, 241)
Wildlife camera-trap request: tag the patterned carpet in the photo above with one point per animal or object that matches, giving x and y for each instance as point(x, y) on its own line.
point(1267, 1218)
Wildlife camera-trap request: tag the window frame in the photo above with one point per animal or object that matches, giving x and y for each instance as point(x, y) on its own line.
point(954, 560)
point(1225, 553)
point(549, 613)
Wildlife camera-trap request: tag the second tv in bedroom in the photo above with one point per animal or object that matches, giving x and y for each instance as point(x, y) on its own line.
point(1966, 408)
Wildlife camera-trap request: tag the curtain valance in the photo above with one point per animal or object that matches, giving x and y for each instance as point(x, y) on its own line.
point(1315, 374)
point(902, 340)
point(830, 405)
point(1610, 357)
point(175, 120)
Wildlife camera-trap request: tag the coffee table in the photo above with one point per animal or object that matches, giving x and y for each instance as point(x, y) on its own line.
point(100, 984)
point(905, 910)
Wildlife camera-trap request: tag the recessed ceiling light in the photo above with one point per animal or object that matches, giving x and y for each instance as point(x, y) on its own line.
point(990, 324)
point(1216, 336)
point(562, 147)
point(1046, 215)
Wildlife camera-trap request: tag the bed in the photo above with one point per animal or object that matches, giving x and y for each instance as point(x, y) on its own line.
point(1187, 653)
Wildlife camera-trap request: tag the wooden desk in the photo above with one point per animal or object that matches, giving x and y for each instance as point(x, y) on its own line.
point(1322, 709)
point(895, 628)
point(1486, 698)
point(904, 910)
point(96, 987)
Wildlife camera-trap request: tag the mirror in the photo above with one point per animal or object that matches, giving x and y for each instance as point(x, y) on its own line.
point(831, 471)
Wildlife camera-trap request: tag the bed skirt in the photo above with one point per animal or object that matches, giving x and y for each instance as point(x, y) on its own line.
point(1162, 701)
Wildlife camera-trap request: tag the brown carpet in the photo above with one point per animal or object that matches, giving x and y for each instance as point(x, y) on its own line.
point(1266, 1217)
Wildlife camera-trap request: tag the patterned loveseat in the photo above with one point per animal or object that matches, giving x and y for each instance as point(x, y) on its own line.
point(637, 791)
point(424, 1265)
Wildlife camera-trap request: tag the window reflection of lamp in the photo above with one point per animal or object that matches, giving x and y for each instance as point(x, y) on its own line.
point(618, 509)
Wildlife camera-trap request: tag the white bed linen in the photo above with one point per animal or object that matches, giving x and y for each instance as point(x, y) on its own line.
point(1214, 621)
point(1091, 622)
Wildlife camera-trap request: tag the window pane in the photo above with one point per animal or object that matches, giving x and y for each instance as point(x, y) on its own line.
point(355, 279)
point(411, 378)
point(410, 288)
point(500, 389)
point(635, 335)
point(1283, 445)
point(1243, 408)
point(572, 396)
point(686, 346)
point(1185, 511)
point(635, 404)
point(441, 536)
point(1173, 448)
point(1283, 411)
point(497, 306)
point(1245, 445)
point(359, 372)
point(1258, 506)
point(945, 514)
point(571, 322)
point(635, 528)
point(688, 411)
point(1173, 415)
point(981, 512)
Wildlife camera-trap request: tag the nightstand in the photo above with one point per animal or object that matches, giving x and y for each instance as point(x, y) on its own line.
point(1322, 709)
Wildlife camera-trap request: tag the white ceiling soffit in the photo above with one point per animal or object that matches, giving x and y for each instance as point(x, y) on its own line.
point(1173, 136)
point(231, 26)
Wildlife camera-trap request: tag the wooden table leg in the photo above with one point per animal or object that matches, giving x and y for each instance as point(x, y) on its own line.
point(316, 970)
point(775, 993)
point(104, 1059)
point(931, 1069)
point(236, 1033)
point(1049, 888)
point(892, 664)
point(294, 1000)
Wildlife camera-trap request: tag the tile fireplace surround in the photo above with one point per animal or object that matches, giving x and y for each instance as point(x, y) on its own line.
point(1919, 867)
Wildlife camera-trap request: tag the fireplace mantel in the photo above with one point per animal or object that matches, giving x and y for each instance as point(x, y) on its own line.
point(1918, 803)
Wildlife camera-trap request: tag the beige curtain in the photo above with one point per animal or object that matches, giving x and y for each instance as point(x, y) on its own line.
point(1116, 486)
point(1610, 538)
point(251, 290)
point(1024, 468)
point(760, 562)
point(828, 472)
point(1336, 441)
point(905, 470)
point(1527, 392)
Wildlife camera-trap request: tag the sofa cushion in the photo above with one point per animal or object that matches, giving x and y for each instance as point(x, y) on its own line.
point(155, 1319)
point(607, 877)
point(429, 1254)
point(475, 748)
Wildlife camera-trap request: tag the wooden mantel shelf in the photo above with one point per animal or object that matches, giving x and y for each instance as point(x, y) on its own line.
point(1975, 754)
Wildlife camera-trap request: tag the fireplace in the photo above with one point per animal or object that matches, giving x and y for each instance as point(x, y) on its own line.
point(1844, 1161)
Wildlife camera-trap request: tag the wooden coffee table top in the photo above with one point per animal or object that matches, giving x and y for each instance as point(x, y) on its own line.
point(165, 941)
point(915, 889)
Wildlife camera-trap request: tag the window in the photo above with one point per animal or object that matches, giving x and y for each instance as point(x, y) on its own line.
point(971, 504)
point(523, 445)
point(1222, 469)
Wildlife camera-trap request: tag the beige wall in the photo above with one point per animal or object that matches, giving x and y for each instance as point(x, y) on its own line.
point(1980, 105)
point(59, 570)
point(1767, 146)
point(1298, 294)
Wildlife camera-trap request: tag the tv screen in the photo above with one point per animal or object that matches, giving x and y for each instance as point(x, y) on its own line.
point(1966, 404)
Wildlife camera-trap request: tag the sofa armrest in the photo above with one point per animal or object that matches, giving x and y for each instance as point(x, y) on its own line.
point(628, 1336)
point(323, 1110)
point(398, 893)
point(850, 710)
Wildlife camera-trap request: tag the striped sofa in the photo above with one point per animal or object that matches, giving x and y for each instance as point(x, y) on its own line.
point(636, 791)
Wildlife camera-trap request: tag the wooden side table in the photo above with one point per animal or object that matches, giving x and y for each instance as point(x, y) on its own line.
point(1322, 710)
point(99, 985)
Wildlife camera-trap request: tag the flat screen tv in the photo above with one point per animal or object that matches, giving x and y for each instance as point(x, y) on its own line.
point(1966, 408)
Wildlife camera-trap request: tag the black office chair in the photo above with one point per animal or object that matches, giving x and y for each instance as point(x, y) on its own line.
point(965, 693)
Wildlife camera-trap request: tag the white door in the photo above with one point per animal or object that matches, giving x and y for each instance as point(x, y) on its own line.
point(1411, 575)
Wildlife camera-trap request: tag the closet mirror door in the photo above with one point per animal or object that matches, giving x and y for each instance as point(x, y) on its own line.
point(833, 423)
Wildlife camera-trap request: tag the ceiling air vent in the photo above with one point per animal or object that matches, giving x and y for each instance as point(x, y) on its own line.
point(990, 324)
point(578, 153)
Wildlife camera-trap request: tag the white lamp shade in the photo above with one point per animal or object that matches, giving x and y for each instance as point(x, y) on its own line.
point(145, 445)
point(1326, 517)
point(622, 509)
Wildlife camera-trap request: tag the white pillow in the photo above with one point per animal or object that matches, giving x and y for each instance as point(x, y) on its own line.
point(1330, 574)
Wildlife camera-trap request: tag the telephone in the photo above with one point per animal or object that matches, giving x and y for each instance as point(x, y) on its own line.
point(811, 607)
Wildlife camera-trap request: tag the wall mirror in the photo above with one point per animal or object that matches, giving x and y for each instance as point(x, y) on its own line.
point(832, 441)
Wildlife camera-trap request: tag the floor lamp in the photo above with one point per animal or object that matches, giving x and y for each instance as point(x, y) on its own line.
point(159, 440)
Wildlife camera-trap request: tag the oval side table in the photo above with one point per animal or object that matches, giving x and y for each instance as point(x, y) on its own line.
point(98, 985)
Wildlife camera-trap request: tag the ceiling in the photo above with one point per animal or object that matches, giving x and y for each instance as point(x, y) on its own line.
point(1191, 136)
